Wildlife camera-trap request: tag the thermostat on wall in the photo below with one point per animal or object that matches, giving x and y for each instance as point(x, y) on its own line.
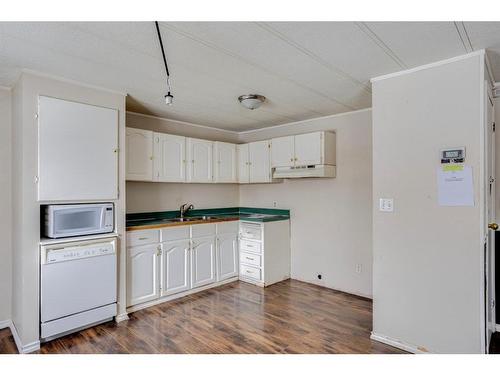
point(453, 155)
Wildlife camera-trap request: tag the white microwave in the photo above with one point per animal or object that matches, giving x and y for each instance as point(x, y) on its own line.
point(78, 219)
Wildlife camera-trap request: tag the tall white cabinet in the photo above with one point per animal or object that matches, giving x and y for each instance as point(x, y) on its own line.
point(139, 154)
point(77, 151)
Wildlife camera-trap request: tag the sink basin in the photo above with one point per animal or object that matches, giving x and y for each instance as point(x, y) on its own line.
point(192, 218)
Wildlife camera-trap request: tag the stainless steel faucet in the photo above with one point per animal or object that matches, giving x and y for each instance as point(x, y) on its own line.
point(185, 208)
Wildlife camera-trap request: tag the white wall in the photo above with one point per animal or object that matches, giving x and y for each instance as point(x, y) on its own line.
point(157, 196)
point(5, 205)
point(427, 276)
point(331, 219)
point(496, 106)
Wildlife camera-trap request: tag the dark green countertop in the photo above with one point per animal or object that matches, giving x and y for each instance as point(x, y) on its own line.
point(154, 219)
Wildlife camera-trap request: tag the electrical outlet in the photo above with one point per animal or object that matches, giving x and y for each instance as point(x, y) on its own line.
point(275, 204)
point(386, 204)
point(359, 268)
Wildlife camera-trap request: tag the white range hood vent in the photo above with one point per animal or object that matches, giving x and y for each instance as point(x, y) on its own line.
point(305, 171)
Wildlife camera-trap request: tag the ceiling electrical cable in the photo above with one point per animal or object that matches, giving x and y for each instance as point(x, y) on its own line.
point(169, 97)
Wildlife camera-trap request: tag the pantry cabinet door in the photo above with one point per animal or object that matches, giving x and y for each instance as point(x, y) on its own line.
point(227, 255)
point(77, 151)
point(243, 167)
point(283, 152)
point(203, 271)
point(143, 282)
point(225, 166)
point(169, 158)
point(309, 148)
point(139, 155)
point(175, 268)
point(259, 159)
point(199, 160)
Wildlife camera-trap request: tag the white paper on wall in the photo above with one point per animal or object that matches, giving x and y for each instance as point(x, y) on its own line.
point(455, 185)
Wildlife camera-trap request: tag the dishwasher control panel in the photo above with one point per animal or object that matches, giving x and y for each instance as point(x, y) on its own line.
point(72, 252)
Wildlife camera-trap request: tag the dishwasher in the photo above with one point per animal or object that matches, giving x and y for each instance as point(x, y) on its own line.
point(77, 286)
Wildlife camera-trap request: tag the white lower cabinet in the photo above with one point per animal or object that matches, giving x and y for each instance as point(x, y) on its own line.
point(143, 266)
point(227, 248)
point(171, 261)
point(203, 269)
point(175, 267)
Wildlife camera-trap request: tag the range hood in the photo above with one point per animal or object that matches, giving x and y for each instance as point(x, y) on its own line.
point(305, 171)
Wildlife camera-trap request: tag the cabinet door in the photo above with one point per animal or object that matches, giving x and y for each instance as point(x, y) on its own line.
point(225, 162)
point(282, 152)
point(227, 255)
point(199, 160)
point(143, 274)
point(77, 151)
point(308, 149)
point(175, 267)
point(259, 159)
point(139, 155)
point(203, 261)
point(169, 158)
point(243, 167)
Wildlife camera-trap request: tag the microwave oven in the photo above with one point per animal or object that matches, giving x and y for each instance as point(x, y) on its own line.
point(61, 220)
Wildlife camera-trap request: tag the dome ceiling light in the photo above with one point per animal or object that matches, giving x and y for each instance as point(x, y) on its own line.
point(169, 98)
point(252, 101)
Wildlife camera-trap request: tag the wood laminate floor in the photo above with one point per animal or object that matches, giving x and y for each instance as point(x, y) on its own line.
point(288, 317)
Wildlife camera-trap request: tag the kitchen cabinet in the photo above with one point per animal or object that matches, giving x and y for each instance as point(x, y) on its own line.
point(227, 256)
point(175, 267)
point(264, 252)
point(169, 158)
point(283, 152)
point(139, 155)
point(77, 151)
point(254, 162)
point(243, 167)
point(317, 148)
point(225, 165)
point(199, 160)
point(143, 268)
point(203, 264)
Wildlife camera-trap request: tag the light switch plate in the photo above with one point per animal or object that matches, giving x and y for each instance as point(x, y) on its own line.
point(386, 205)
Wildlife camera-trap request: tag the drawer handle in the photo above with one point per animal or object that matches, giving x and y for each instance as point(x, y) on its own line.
point(249, 258)
point(142, 238)
point(249, 271)
point(249, 245)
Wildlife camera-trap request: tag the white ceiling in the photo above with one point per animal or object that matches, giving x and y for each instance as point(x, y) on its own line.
point(305, 69)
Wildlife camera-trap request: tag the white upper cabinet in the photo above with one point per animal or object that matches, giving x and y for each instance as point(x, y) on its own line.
point(259, 161)
point(169, 159)
point(77, 151)
point(139, 155)
point(199, 160)
point(283, 152)
point(225, 164)
point(243, 167)
point(316, 148)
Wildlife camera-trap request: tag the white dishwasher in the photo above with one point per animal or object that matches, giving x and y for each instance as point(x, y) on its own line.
point(77, 286)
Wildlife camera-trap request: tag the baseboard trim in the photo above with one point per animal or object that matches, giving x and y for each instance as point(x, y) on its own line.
point(358, 294)
point(121, 317)
point(5, 323)
point(398, 344)
point(23, 349)
point(145, 305)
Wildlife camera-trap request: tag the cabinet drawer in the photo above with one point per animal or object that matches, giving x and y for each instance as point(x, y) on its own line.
point(202, 230)
point(143, 237)
point(227, 227)
point(251, 231)
point(251, 246)
point(250, 259)
point(250, 272)
point(175, 233)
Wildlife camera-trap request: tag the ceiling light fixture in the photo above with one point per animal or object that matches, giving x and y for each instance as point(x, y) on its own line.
point(252, 101)
point(169, 98)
